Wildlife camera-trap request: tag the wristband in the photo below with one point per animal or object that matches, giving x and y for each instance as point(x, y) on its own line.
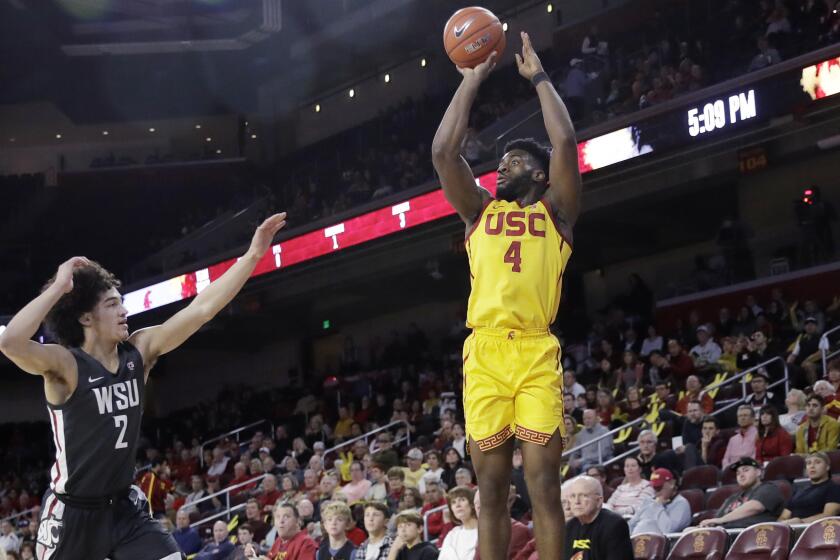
point(539, 77)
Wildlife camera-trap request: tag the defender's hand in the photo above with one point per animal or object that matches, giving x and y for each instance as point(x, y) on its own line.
point(265, 234)
point(480, 72)
point(528, 62)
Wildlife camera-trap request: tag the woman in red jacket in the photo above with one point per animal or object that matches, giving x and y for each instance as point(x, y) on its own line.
point(773, 440)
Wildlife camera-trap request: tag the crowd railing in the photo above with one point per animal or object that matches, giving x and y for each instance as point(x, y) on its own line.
point(226, 510)
point(235, 432)
point(826, 353)
point(364, 437)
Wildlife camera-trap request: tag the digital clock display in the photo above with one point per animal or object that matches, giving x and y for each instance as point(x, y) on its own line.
point(718, 114)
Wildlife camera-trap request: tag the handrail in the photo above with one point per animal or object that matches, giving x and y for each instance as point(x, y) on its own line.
point(235, 432)
point(602, 436)
point(20, 514)
point(737, 402)
point(217, 515)
point(366, 435)
point(743, 375)
point(633, 449)
point(824, 348)
point(426, 520)
point(227, 490)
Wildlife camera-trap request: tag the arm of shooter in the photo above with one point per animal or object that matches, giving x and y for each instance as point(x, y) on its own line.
point(456, 177)
point(564, 182)
point(16, 341)
point(155, 341)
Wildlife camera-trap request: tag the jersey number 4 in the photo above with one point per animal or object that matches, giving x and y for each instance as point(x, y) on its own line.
point(121, 422)
point(512, 256)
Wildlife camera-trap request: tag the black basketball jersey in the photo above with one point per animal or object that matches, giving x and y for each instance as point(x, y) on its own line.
point(96, 431)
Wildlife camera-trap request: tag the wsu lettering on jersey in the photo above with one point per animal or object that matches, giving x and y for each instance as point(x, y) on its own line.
point(121, 396)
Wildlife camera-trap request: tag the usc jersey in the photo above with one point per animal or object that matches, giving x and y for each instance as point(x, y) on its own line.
point(517, 258)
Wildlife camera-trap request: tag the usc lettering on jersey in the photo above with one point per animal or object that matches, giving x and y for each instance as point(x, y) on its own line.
point(517, 258)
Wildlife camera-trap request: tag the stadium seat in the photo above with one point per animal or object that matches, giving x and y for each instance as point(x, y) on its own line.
point(728, 476)
point(705, 476)
point(769, 541)
point(834, 456)
point(649, 546)
point(708, 543)
point(789, 467)
point(785, 487)
point(719, 496)
point(820, 541)
point(696, 499)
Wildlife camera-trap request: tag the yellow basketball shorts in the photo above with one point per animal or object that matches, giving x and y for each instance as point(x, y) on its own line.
point(513, 385)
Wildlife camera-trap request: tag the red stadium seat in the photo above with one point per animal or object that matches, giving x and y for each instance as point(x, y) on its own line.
point(770, 541)
point(789, 467)
point(819, 541)
point(785, 487)
point(728, 476)
point(708, 543)
point(719, 496)
point(696, 499)
point(649, 546)
point(834, 456)
point(705, 476)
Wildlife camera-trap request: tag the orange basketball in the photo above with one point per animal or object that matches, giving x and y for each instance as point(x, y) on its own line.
point(471, 34)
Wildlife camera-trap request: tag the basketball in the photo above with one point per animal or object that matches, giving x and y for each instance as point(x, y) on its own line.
point(471, 35)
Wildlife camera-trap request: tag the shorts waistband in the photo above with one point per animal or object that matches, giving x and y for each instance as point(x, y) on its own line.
point(99, 502)
point(511, 334)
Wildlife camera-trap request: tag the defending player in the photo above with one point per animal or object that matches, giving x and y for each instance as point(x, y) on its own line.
point(518, 245)
point(94, 384)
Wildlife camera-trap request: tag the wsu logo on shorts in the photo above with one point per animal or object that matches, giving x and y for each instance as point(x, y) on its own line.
point(49, 532)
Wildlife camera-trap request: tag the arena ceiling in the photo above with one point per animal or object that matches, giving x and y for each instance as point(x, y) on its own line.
point(101, 60)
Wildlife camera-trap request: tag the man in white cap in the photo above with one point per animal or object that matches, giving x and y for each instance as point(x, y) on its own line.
point(415, 471)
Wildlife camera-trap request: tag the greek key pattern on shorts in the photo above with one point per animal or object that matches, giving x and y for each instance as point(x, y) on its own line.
point(532, 436)
point(495, 440)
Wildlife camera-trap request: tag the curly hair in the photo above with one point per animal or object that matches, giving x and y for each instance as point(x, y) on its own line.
point(89, 283)
point(539, 152)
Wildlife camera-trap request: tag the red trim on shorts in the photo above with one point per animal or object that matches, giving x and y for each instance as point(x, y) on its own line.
point(532, 436)
point(495, 440)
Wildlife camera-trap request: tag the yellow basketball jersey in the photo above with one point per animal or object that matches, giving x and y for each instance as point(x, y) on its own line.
point(517, 259)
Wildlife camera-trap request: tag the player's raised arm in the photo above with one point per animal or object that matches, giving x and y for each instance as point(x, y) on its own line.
point(456, 177)
point(16, 341)
point(563, 174)
point(153, 342)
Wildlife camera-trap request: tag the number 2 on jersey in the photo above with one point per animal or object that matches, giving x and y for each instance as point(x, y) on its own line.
point(121, 421)
point(512, 256)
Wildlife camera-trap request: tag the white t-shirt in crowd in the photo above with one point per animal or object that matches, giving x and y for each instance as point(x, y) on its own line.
point(459, 544)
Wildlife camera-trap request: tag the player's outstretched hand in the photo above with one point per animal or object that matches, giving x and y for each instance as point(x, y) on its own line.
point(480, 72)
point(266, 232)
point(528, 62)
point(64, 275)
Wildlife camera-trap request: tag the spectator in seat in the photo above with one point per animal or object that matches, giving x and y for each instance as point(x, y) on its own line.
point(335, 517)
point(197, 493)
point(662, 393)
point(651, 343)
point(755, 501)
point(344, 423)
point(805, 354)
point(594, 531)
point(712, 444)
point(570, 410)
point(219, 464)
point(766, 56)
point(631, 372)
point(570, 384)
point(188, 539)
point(310, 488)
point(254, 517)
point(269, 494)
point(819, 499)
point(464, 477)
point(630, 494)
point(633, 406)
point(408, 545)
point(833, 374)
point(595, 453)
point(378, 490)
point(742, 444)
point(693, 388)
point(772, 441)
point(831, 405)
point(433, 470)
point(706, 352)
point(760, 396)
point(462, 541)
point(433, 498)
point(459, 439)
point(606, 407)
point(291, 542)
point(300, 451)
point(795, 403)
point(519, 533)
point(681, 364)
point(9, 541)
point(378, 543)
point(220, 547)
point(244, 537)
point(667, 512)
point(240, 476)
point(574, 87)
point(820, 432)
point(384, 454)
point(396, 487)
point(358, 486)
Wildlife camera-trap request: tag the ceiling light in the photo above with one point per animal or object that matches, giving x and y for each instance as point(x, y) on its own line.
point(253, 137)
point(387, 78)
point(352, 93)
point(422, 63)
point(151, 129)
point(549, 8)
point(504, 26)
point(198, 127)
point(208, 139)
point(104, 133)
point(218, 151)
point(58, 136)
